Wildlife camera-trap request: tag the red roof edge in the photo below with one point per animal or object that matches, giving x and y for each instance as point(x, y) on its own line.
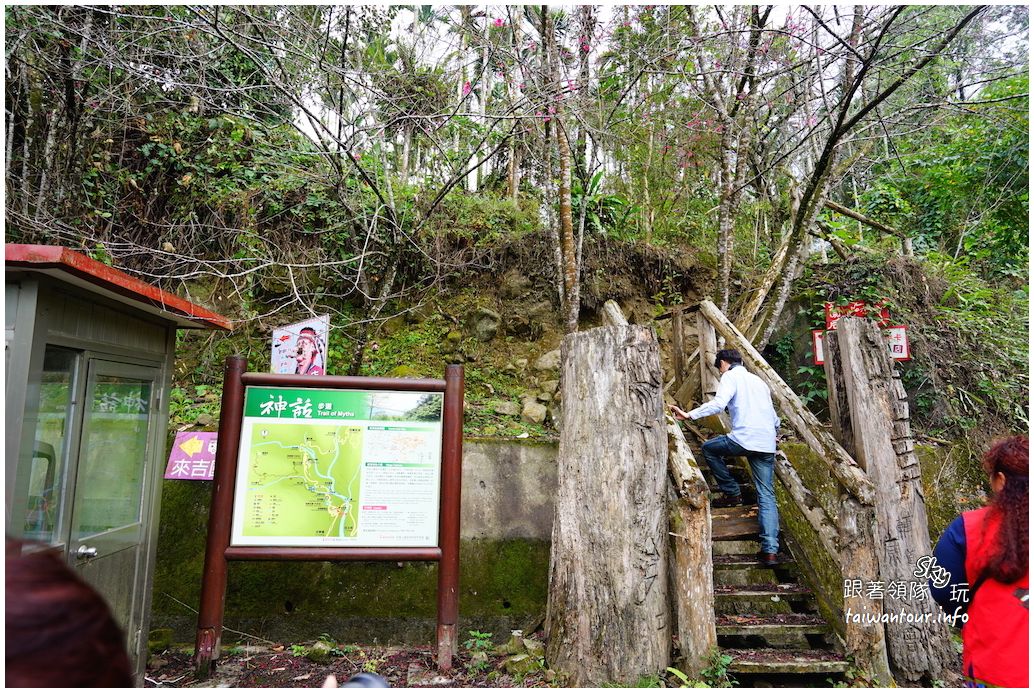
point(43, 257)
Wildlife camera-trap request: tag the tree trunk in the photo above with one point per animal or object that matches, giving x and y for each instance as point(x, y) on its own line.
point(864, 636)
point(885, 449)
point(608, 616)
point(407, 138)
point(567, 242)
point(547, 185)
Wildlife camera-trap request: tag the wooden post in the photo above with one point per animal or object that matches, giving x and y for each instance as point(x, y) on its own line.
point(449, 522)
point(678, 356)
point(612, 314)
point(213, 586)
point(708, 349)
point(692, 571)
point(608, 616)
point(883, 444)
point(689, 391)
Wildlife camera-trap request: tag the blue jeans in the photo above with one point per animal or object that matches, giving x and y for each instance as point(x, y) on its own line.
point(762, 468)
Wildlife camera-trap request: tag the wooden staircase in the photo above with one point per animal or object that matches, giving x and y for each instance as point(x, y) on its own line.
point(766, 619)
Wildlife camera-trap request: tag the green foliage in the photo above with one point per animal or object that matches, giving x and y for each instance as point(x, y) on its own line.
point(604, 213)
point(481, 220)
point(716, 674)
point(813, 385)
point(986, 328)
point(336, 650)
point(478, 641)
point(853, 678)
point(962, 188)
point(683, 679)
point(969, 338)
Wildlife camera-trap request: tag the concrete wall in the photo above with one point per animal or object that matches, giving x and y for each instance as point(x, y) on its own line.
point(508, 489)
point(507, 517)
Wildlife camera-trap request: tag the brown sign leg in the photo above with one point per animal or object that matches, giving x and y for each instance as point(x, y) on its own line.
point(449, 527)
point(213, 581)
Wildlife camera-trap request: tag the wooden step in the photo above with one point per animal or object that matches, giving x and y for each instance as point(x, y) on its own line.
point(740, 561)
point(774, 661)
point(770, 624)
point(744, 592)
point(733, 524)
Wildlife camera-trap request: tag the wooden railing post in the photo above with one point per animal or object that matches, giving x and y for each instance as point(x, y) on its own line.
point(692, 570)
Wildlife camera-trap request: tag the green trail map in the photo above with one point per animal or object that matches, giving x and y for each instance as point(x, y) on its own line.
point(303, 480)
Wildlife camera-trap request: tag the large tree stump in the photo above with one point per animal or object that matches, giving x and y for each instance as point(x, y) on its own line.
point(884, 448)
point(608, 616)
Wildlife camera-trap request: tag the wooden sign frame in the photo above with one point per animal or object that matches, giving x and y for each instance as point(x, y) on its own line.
point(218, 551)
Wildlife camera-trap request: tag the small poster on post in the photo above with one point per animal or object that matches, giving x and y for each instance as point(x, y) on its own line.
point(897, 344)
point(192, 456)
point(301, 348)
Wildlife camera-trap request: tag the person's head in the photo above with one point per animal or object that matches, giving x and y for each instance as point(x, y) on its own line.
point(726, 359)
point(307, 349)
point(60, 632)
point(1007, 464)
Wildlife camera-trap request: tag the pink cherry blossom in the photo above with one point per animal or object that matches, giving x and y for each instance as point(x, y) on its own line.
point(498, 21)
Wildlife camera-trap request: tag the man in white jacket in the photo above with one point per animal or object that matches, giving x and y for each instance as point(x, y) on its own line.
point(754, 427)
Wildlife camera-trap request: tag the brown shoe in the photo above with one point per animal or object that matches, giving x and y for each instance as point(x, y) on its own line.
point(727, 501)
point(768, 560)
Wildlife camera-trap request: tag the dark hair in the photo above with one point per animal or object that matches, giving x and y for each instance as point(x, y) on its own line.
point(730, 356)
point(60, 632)
point(1011, 457)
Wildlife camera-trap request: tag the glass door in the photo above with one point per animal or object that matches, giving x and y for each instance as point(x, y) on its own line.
point(113, 470)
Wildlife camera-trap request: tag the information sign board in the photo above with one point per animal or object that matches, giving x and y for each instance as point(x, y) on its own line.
point(338, 468)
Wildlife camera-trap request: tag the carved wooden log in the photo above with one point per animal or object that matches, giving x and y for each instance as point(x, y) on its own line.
point(608, 615)
point(863, 632)
point(692, 572)
point(883, 443)
point(839, 407)
point(793, 410)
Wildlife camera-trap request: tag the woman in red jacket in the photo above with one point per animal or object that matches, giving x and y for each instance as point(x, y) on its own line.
point(985, 553)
